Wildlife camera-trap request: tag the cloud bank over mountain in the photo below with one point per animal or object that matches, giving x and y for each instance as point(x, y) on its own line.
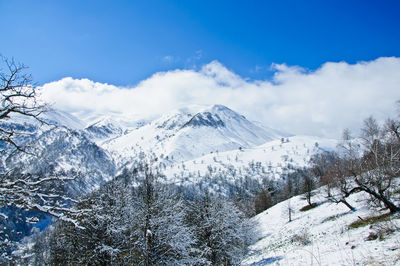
point(319, 102)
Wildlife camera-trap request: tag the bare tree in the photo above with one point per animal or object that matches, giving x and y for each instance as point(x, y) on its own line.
point(370, 167)
point(262, 201)
point(308, 187)
point(287, 210)
point(379, 165)
point(338, 185)
point(18, 96)
point(335, 171)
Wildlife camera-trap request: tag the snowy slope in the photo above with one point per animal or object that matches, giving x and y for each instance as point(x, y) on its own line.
point(320, 236)
point(64, 119)
point(28, 128)
point(192, 132)
point(273, 156)
point(52, 116)
point(108, 127)
point(62, 151)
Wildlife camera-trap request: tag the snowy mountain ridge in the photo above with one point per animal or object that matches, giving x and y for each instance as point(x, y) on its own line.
point(61, 150)
point(187, 142)
point(188, 133)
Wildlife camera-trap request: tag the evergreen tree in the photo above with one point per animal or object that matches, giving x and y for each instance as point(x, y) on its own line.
point(223, 233)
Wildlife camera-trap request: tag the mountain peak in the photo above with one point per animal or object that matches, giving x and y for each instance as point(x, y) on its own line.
point(220, 108)
point(192, 131)
point(213, 116)
point(205, 119)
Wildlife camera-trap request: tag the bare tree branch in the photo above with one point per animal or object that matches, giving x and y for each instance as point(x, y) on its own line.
point(18, 96)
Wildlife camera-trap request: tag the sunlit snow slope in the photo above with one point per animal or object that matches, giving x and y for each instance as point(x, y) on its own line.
point(274, 157)
point(192, 132)
point(323, 236)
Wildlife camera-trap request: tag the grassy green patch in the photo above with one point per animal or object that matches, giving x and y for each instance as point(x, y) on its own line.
point(369, 220)
point(308, 207)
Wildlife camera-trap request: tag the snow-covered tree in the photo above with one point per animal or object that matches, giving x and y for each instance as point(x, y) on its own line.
point(223, 233)
point(101, 238)
point(132, 220)
point(160, 233)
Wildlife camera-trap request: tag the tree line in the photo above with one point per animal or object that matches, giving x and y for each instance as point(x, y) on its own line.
point(137, 219)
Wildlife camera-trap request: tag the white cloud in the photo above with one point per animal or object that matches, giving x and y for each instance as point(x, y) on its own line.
point(320, 102)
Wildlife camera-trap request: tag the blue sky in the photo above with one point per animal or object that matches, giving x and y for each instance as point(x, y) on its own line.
point(124, 42)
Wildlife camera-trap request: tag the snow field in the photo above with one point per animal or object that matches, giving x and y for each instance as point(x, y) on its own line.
point(321, 235)
point(273, 156)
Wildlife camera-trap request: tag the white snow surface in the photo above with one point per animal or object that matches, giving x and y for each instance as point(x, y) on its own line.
point(273, 155)
point(51, 116)
point(123, 121)
point(64, 119)
point(189, 133)
point(331, 242)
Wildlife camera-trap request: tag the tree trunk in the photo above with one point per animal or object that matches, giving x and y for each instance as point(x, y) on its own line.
point(388, 204)
point(348, 205)
point(308, 197)
point(393, 208)
point(379, 196)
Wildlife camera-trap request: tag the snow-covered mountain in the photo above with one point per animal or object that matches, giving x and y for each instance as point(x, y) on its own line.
point(108, 127)
point(62, 151)
point(104, 129)
point(188, 142)
point(53, 117)
point(59, 146)
point(29, 129)
point(189, 133)
point(60, 118)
